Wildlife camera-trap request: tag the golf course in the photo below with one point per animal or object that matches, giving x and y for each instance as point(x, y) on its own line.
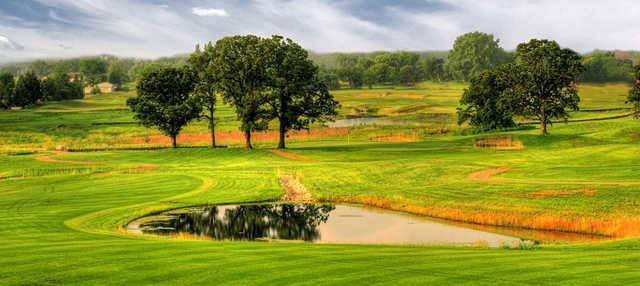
point(74, 173)
point(319, 142)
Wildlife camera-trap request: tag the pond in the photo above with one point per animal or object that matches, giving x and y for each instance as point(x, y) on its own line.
point(318, 223)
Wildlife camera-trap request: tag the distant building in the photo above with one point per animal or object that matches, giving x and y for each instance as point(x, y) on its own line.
point(105, 87)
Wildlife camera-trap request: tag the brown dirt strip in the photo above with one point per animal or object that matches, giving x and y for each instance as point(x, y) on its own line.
point(296, 191)
point(549, 193)
point(287, 155)
point(238, 136)
point(486, 175)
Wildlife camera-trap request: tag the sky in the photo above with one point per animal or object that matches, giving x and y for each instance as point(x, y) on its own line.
point(154, 28)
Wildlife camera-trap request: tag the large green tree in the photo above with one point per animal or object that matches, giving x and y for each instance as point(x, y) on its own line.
point(474, 53)
point(201, 60)
point(487, 103)
point(165, 100)
point(634, 93)
point(298, 97)
point(27, 91)
point(7, 86)
point(241, 70)
point(545, 78)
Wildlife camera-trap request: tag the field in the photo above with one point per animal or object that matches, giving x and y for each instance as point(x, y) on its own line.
point(62, 212)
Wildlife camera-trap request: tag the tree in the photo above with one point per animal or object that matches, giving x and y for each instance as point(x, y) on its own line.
point(298, 97)
point(206, 86)
point(50, 90)
point(329, 78)
point(164, 100)
point(241, 63)
point(39, 67)
point(7, 86)
point(433, 69)
point(487, 103)
point(474, 53)
point(407, 75)
point(350, 70)
point(93, 69)
point(634, 93)
point(27, 91)
point(58, 86)
point(545, 81)
point(117, 73)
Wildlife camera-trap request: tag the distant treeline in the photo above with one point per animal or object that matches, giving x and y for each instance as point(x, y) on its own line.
point(472, 53)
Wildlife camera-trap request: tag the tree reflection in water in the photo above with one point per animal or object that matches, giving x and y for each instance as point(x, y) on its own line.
point(247, 222)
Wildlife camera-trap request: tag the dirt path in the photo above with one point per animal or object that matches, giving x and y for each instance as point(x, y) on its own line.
point(486, 175)
point(287, 155)
point(296, 191)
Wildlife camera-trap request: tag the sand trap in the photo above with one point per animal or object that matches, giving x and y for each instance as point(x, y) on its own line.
point(498, 143)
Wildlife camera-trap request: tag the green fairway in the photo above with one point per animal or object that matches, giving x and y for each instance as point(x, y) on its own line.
point(63, 214)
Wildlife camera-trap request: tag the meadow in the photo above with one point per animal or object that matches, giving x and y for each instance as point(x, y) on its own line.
point(63, 212)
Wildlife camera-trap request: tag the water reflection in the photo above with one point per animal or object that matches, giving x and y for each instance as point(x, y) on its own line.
point(245, 222)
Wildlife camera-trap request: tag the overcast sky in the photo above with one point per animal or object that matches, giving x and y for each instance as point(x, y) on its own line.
point(153, 28)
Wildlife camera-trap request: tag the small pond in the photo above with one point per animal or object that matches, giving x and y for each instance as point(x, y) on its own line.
point(318, 223)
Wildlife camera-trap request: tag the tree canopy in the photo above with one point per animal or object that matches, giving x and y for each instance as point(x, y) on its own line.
point(634, 93)
point(7, 86)
point(487, 103)
point(298, 97)
point(201, 60)
point(241, 71)
point(93, 69)
point(546, 76)
point(540, 84)
point(27, 91)
point(165, 101)
point(474, 53)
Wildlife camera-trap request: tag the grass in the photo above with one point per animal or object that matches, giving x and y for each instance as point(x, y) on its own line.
point(61, 222)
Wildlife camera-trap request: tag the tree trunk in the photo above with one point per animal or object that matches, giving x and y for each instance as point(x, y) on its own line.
point(174, 142)
point(212, 127)
point(543, 122)
point(247, 139)
point(283, 133)
point(284, 106)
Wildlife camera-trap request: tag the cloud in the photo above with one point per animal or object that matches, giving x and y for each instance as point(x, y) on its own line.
point(205, 12)
point(47, 28)
point(6, 43)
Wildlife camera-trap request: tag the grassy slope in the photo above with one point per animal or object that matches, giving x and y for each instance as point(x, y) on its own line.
point(60, 221)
